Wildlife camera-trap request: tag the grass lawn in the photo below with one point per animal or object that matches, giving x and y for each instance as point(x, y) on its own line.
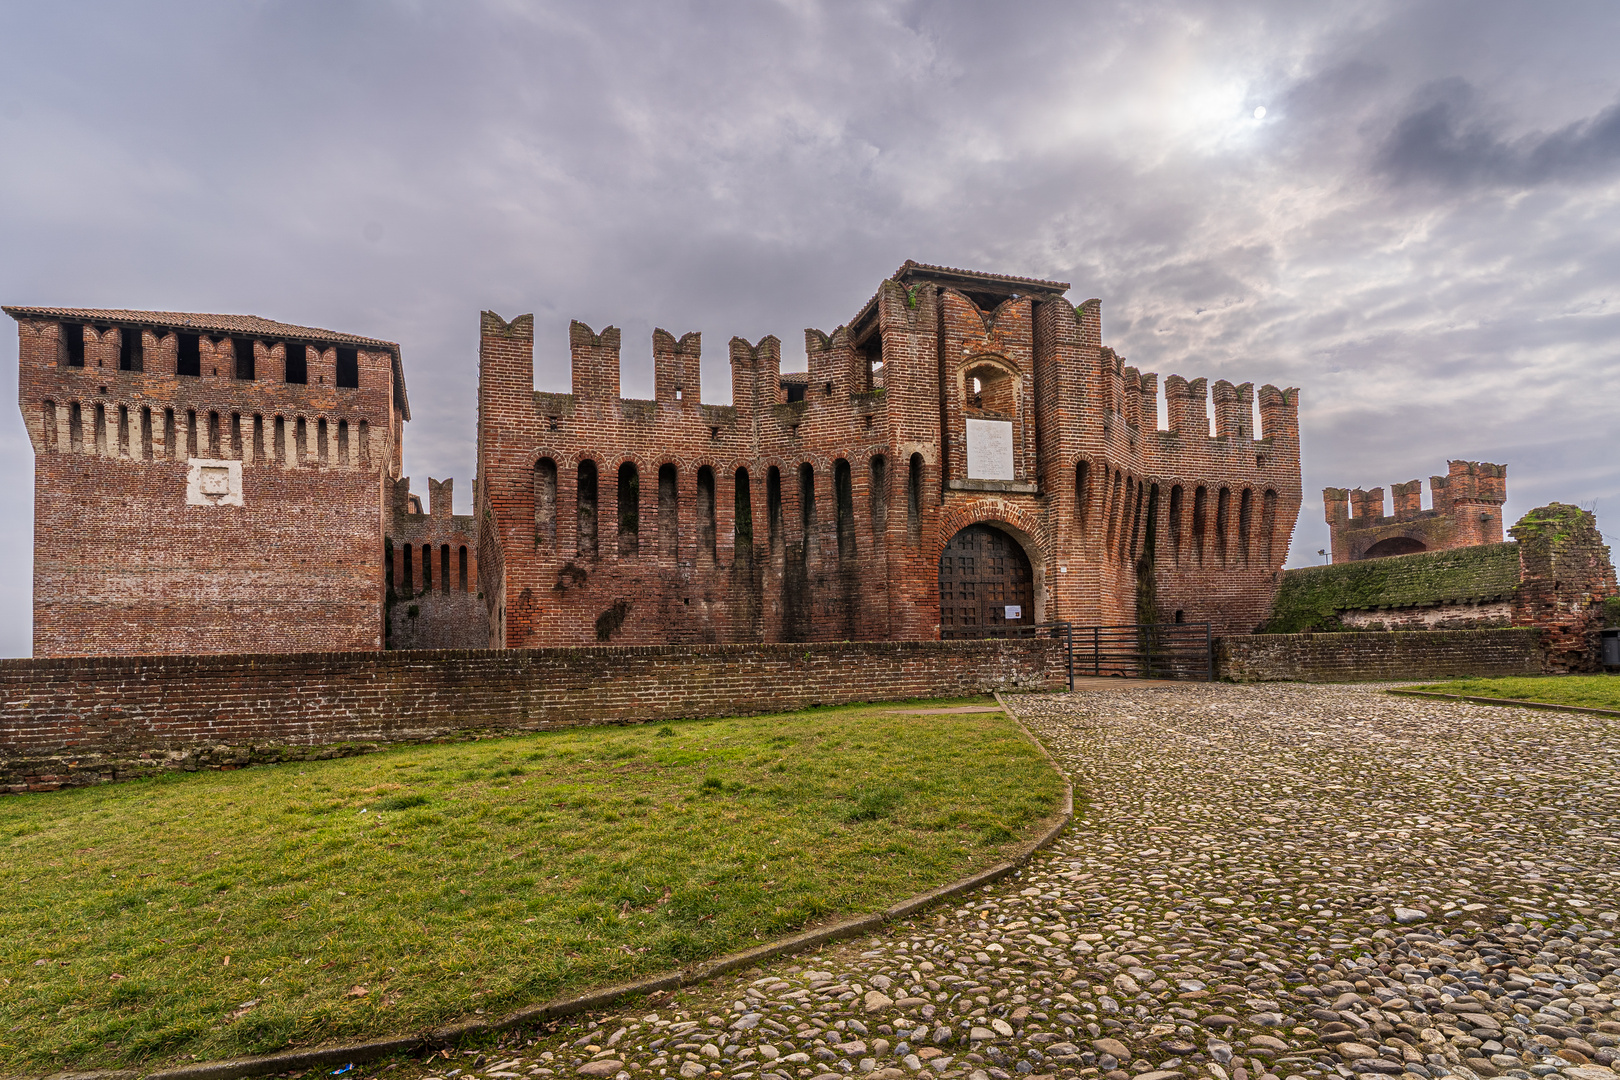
point(221, 913)
point(1587, 691)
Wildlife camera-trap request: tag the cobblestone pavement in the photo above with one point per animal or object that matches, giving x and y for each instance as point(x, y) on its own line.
point(1260, 883)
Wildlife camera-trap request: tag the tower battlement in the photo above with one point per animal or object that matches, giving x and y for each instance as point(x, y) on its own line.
point(1466, 509)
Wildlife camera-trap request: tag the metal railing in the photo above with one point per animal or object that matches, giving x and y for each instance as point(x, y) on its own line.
point(1146, 651)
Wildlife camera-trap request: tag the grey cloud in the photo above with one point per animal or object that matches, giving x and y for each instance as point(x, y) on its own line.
point(1448, 139)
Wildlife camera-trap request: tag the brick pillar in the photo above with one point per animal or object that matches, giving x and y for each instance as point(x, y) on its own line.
point(1564, 577)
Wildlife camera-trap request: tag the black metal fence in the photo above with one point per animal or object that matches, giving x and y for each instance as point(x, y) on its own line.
point(1156, 651)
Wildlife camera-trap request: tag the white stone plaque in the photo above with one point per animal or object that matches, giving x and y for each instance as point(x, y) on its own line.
point(990, 450)
point(211, 482)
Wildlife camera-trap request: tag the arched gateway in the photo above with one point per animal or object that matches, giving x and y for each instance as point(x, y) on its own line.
point(985, 583)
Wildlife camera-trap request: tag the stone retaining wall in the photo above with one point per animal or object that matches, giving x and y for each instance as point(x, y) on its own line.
point(1371, 656)
point(68, 722)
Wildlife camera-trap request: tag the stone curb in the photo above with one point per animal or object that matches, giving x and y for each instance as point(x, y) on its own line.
point(1548, 706)
point(372, 1049)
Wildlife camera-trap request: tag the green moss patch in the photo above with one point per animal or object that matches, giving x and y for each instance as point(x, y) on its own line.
point(1311, 598)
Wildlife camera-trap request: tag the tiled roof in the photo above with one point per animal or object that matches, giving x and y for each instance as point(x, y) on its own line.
point(795, 377)
point(251, 325)
point(927, 268)
point(221, 324)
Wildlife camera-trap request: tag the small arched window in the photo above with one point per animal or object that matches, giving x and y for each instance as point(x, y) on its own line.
point(545, 504)
point(914, 474)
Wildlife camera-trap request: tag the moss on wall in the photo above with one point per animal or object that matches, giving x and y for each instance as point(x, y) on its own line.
point(1311, 598)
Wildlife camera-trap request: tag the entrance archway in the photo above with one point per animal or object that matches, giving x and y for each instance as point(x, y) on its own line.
point(1395, 545)
point(985, 583)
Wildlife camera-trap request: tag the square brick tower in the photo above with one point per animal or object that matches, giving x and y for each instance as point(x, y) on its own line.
point(206, 483)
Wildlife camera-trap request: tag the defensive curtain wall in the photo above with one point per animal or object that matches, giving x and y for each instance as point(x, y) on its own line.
point(206, 483)
point(964, 454)
point(1466, 510)
point(75, 721)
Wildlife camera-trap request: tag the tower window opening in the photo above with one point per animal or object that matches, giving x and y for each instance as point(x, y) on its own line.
point(348, 367)
point(296, 367)
point(243, 348)
point(71, 336)
point(131, 353)
point(188, 355)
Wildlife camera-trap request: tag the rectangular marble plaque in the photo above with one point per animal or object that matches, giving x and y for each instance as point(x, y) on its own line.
point(990, 450)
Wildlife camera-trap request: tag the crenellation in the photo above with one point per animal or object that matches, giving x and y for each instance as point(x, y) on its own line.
point(1466, 511)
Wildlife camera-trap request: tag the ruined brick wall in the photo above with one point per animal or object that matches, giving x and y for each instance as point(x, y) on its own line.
point(225, 510)
point(1565, 579)
point(84, 721)
point(1466, 511)
point(430, 564)
point(824, 517)
point(1373, 656)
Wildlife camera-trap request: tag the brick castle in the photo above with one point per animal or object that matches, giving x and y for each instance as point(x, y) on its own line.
point(1466, 512)
point(964, 455)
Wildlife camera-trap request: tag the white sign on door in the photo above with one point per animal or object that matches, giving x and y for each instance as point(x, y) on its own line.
point(1014, 612)
point(990, 450)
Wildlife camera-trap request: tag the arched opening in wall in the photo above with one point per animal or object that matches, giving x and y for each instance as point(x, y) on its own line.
point(1113, 512)
point(76, 427)
point(463, 567)
point(213, 434)
point(444, 568)
point(1268, 524)
point(47, 426)
point(146, 433)
point(407, 584)
point(985, 583)
point(242, 348)
point(188, 355)
point(880, 496)
point(348, 368)
point(297, 363)
point(100, 438)
point(279, 440)
point(844, 495)
point(364, 440)
point(1200, 522)
point(1395, 545)
point(1175, 524)
point(773, 508)
point(807, 506)
point(343, 442)
point(70, 344)
point(914, 500)
point(171, 449)
point(258, 438)
point(990, 390)
point(123, 431)
point(629, 510)
point(545, 504)
point(1135, 509)
point(742, 521)
point(191, 433)
point(705, 514)
point(427, 568)
point(300, 441)
point(131, 351)
point(669, 528)
point(1147, 585)
point(1082, 494)
point(1181, 616)
point(1245, 524)
point(871, 358)
point(1223, 524)
point(236, 435)
point(586, 515)
point(388, 563)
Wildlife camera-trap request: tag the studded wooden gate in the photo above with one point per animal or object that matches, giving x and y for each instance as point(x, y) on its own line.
point(985, 583)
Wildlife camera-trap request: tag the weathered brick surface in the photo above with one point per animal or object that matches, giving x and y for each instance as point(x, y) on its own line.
point(83, 721)
point(123, 564)
point(1565, 578)
point(430, 562)
point(1466, 509)
point(853, 492)
point(1377, 655)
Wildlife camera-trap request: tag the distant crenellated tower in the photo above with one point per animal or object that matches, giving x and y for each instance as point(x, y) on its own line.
point(1466, 511)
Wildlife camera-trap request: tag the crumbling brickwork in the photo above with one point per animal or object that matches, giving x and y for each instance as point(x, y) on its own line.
point(1466, 510)
point(1566, 577)
point(206, 483)
point(430, 562)
point(819, 507)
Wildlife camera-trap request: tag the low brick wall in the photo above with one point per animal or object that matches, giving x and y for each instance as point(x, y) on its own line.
point(1370, 656)
point(67, 722)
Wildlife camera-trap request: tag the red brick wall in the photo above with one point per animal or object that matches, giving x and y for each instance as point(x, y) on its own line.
point(77, 721)
point(122, 563)
point(1073, 401)
point(433, 597)
point(1370, 656)
point(1466, 510)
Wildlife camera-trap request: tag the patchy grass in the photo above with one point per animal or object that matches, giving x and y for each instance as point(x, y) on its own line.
point(225, 913)
point(1586, 691)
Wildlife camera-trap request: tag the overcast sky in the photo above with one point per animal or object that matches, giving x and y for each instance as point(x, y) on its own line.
point(1422, 231)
